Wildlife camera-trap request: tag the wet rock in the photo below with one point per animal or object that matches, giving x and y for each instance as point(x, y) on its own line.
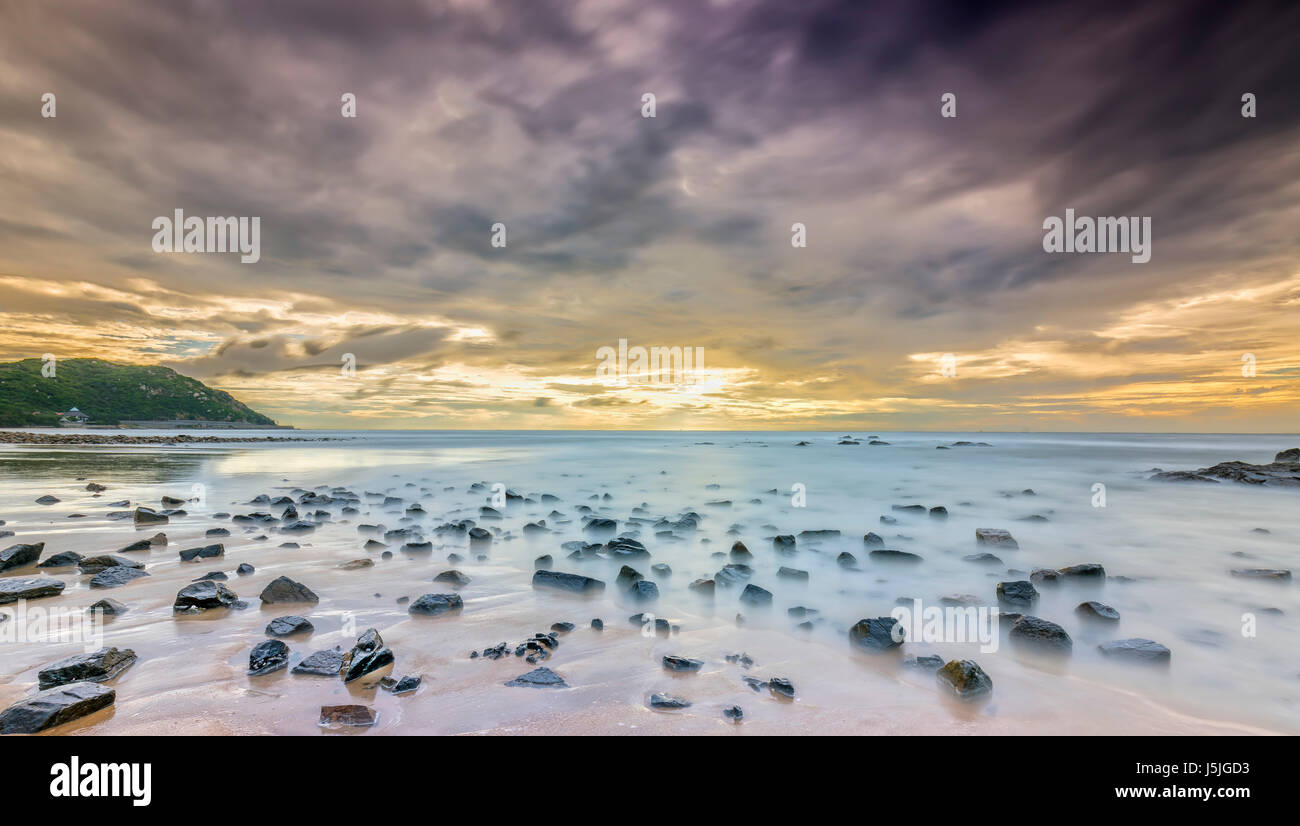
point(819, 534)
point(784, 542)
point(781, 687)
point(675, 663)
point(873, 540)
point(598, 624)
point(734, 713)
point(116, 576)
point(733, 574)
point(983, 559)
point(600, 525)
point(739, 552)
point(108, 607)
point(327, 663)
point(574, 583)
point(147, 516)
point(368, 655)
point(661, 569)
point(289, 625)
point(643, 590)
point(1045, 576)
point(1020, 592)
point(14, 589)
point(98, 667)
point(877, 634)
point(929, 662)
point(1283, 472)
point(434, 605)
point(204, 596)
point(754, 595)
point(703, 587)
point(847, 560)
point(245, 569)
point(889, 555)
point(348, 716)
point(405, 685)
point(1088, 571)
point(1276, 574)
point(939, 512)
point(792, 574)
point(48, 499)
point(543, 563)
point(282, 589)
point(67, 559)
point(205, 552)
point(754, 683)
point(666, 702)
point(95, 564)
point(1096, 611)
point(966, 679)
point(267, 656)
point(996, 537)
point(453, 578)
point(54, 707)
point(1040, 633)
point(538, 678)
point(219, 576)
point(139, 545)
point(21, 555)
point(627, 575)
point(1136, 650)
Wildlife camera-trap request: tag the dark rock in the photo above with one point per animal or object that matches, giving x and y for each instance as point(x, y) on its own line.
point(598, 625)
point(539, 678)
point(888, 555)
point(740, 552)
point(1136, 650)
point(20, 555)
point(54, 707)
point(101, 666)
point(877, 634)
point(872, 540)
point(347, 716)
point(453, 577)
point(930, 662)
point(203, 596)
point(407, 684)
point(543, 563)
point(1042, 634)
point(996, 537)
point(734, 713)
point(984, 559)
point(147, 516)
point(116, 576)
point(1045, 576)
point(643, 590)
point(433, 605)
point(754, 595)
point(1277, 574)
point(674, 663)
point(108, 607)
point(327, 663)
point(966, 679)
point(289, 625)
point(781, 687)
point(665, 702)
point(847, 560)
point(67, 559)
point(703, 587)
point(792, 573)
point(628, 575)
point(1086, 571)
point(267, 656)
point(574, 583)
point(785, 542)
point(733, 574)
point(14, 589)
point(206, 552)
point(1093, 610)
point(1020, 592)
point(367, 656)
point(245, 569)
point(95, 564)
point(47, 499)
point(282, 589)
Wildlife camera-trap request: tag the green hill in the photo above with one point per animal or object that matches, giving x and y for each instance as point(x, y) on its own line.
point(110, 393)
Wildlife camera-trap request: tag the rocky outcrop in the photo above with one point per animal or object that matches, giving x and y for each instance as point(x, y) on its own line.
point(1284, 471)
point(54, 707)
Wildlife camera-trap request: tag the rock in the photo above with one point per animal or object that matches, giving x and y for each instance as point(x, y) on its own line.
point(996, 537)
point(357, 564)
point(847, 560)
point(887, 555)
point(116, 576)
point(67, 559)
point(12, 590)
point(733, 574)
point(703, 587)
point(562, 627)
point(282, 589)
point(138, 545)
point(983, 559)
point(433, 605)
point(101, 666)
point(95, 564)
point(219, 576)
point(267, 656)
point(627, 575)
point(930, 662)
point(1277, 574)
point(665, 702)
point(543, 563)
point(661, 569)
point(204, 596)
point(1093, 610)
point(784, 542)
point(327, 663)
point(739, 552)
point(643, 590)
point(147, 516)
point(792, 573)
point(453, 577)
point(1042, 634)
point(939, 512)
point(245, 569)
point(877, 634)
point(966, 679)
point(601, 525)
point(47, 499)
point(289, 625)
point(1136, 650)
point(407, 684)
point(598, 624)
point(205, 552)
point(734, 713)
point(1283, 472)
point(539, 678)
point(355, 716)
point(54, 707)
point(781, 687)
point(1045, 576)
point(574, 583)
point(1020, 592)
point(754, 595)
point(674, 663)
point(108, 607)
point(1086, 571)
point(872, 540)
point(21, 555)
point(368, 655)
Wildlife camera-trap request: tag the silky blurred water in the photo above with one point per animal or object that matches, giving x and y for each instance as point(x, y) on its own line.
point(1168, 548)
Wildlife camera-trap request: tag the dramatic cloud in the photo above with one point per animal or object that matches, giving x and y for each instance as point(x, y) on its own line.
point(924, 233)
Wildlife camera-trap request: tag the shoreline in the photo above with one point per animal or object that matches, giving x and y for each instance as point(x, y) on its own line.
point(19, 438)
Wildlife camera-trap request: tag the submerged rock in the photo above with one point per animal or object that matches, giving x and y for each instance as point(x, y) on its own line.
point(1097, 611)
point(289, 625)
point(1020, 592)
point(996, 537)
point(666, 702)
point(327, 663)
point(355, 716)
point(433, 605)
point(877, 634)
point(575, 583)
point(674, 663)
point(1042, 634)
point(754, 595)
point(539, 678)
point(1262, 573)
point(1136, 650)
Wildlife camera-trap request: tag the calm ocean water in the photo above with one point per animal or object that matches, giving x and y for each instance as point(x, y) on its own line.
point(1167, 547)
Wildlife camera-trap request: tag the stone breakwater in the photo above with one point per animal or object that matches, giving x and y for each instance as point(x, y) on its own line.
point(22, 438)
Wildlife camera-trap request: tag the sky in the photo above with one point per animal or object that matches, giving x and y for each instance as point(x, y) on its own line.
point(923, 299)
